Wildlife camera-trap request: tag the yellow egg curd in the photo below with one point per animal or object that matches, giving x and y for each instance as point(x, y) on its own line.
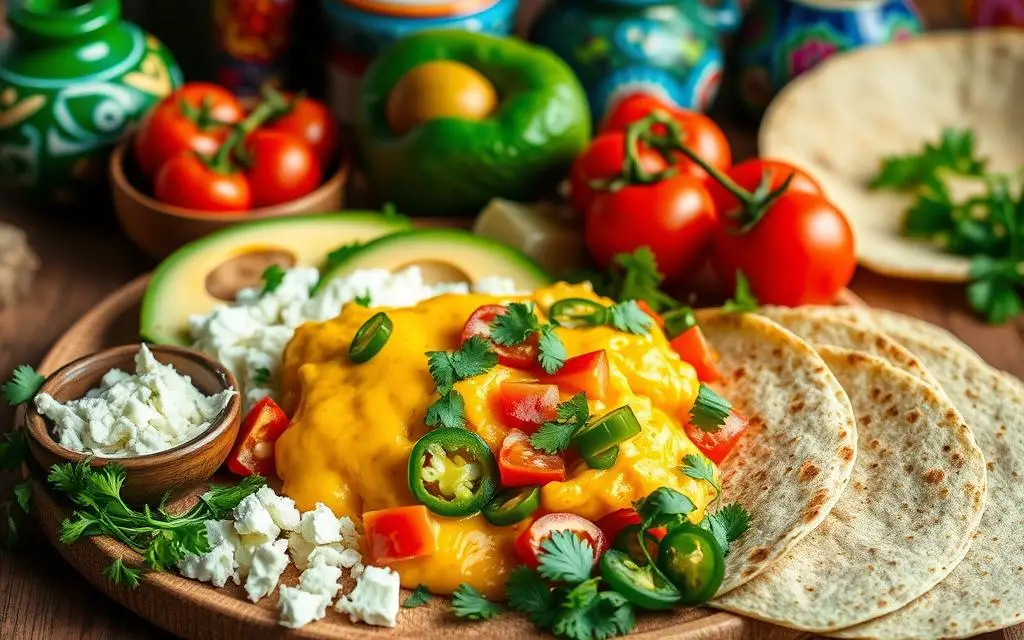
point(354, 425)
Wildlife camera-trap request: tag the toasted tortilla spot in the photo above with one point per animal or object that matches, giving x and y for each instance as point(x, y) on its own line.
point(934, 476)
point(865, 420)
point(958, 460)
point(808, 471)
point(759, 555)
point(846, 453)
point(913, 416)
point(796, 406)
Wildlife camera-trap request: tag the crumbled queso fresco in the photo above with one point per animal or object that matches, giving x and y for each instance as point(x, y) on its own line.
point(152, 410)
point(249, 336)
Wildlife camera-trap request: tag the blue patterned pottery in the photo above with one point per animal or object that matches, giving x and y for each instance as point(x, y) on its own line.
point(620, 47)
point(359, 29)
point(780, 39)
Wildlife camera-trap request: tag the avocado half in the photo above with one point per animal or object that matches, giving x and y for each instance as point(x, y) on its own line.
point(446, 255)
point(184, 284)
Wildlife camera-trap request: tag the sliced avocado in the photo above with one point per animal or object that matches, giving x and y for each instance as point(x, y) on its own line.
point(445, 255)
point(205, 273)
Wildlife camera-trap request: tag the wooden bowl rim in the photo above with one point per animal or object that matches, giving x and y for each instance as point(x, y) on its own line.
point(335, 182)
point(36, 426)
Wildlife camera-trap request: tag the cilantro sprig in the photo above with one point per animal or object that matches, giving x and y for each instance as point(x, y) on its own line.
point(632, 276)
point(418, 598)
point(23, 385)
point(162, 538)
point(470, 604)
point(954, 151)
point(21, 388)
point(473, 358)
point(518, 324)
point(556, 435)
point(272, 278)
point(709, 410)
point(743, 300)
point(726, 524)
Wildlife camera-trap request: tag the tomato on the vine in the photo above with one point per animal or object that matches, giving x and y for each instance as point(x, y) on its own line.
point(801, 251)
point(749, 174)
point(196, 118)
point(674, 217)
point(602, 161)
point(310, 120)
point(281, 167)
point(190, 182)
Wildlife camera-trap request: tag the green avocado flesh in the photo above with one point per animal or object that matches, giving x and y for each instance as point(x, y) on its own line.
point(205, 273)
point(446, 255)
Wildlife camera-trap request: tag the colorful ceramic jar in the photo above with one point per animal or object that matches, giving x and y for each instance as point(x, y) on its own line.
point(73, 79)
point(620, 47)
point(359, 29)
point(780, 39)
point(995, 13)
point(252, 37)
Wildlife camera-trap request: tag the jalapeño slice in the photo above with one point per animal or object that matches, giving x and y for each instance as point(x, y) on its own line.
point(512, 506)
point(603, 460)
point(692, 560)
point(452, 472)
point(578, 312)
point(370, 338)
point(606, 432)
point(641, 585)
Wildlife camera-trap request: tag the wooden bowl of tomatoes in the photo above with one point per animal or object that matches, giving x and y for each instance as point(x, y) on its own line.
point(202, 161)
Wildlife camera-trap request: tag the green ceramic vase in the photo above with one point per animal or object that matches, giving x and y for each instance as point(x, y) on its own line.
point(73, 79)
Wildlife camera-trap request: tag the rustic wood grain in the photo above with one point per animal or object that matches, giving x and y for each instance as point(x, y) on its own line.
point(41, 596)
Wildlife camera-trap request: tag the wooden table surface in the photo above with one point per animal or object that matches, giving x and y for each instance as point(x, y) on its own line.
point(42, 597)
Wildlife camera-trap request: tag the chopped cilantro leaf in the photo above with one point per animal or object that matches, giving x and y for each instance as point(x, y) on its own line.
point(629, 317)
point(743, 301)
point(727, 524)
point(474, 358)
point(709, 410)
point(564, 557)
point(261, 377)
point(417, 598)
point(272, 278)
point(955, 151)
point(551, 352)
point(23, 385)
point(556, 436)
point(515, 325)
point(363, 300)
point(447, 411)
point(589, 614)
point(530, 595)
point(468, 603)
point(340, 255)
point(699, 467)
point(637, 278)
point(663, 506)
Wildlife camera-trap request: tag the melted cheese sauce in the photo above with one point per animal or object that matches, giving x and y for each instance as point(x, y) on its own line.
point(354, 426)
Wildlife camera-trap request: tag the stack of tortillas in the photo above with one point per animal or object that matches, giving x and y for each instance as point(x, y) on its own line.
point(840, 120)
point(925, 540)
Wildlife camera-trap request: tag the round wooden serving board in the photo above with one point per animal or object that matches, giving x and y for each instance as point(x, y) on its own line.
point(197, 610)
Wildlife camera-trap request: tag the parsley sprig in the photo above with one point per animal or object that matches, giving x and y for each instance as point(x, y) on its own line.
point(709, 410)
point(556, 435)
point(473, 358)
point(162, 538)
point(518, 324)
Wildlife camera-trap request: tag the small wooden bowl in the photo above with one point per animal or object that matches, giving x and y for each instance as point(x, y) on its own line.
point(158, 228)
point(148, 477)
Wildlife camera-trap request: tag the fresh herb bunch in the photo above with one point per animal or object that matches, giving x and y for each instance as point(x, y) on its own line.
point(473, 358)
point(162, 538)
point(518, 324)
point(988, 227)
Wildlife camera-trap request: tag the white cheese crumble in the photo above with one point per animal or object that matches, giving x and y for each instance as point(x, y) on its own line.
point(297, 608)
point(249, 335)
point(375, 600)
point(152, 410)
point(254, 521)
point(320, 526)
point(215, 566)
point(268, 563)
point(281, 509)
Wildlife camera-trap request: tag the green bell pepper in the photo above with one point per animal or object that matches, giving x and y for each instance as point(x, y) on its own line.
point(454, 166)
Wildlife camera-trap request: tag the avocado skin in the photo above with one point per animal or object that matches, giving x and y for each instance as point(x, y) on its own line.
point(452, 166)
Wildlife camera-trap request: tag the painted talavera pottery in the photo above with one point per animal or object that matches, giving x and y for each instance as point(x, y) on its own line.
point(995, 13)
point(73, 79)
point(780, 39)
point(360, 29)
point(620, 47)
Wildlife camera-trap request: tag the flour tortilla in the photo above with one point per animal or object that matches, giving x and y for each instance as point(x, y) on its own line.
point(905, 522)
point(827, 329)
point(983, 593)
point(796, 460)
point(839, 121)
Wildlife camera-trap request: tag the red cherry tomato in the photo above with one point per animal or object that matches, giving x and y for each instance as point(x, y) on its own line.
point(674, 217)
point(310, 120)
point(528, 405)
point(399, 534)
point(529, 541)
point(800, 252)
point(602, 160)
point(521, 465)
point(749, 174)
point(188, 182)
point(519, 356)
point(254, 448)
point(613, 523)
point(717, 445)
point(700, 132)
point(187, 120)
point(693, 349)
point(282, 167)
point(587, 373)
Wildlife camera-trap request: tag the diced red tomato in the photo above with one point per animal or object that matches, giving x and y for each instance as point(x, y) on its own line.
point(254, 448)
point(520, 356)
point(613, 523)
point(521, 465)
point(587, 373)
point(528, 405)
point(529, 541)
point(646, 308)
point(399, 534)
point(717, 445)
point(693, 348)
